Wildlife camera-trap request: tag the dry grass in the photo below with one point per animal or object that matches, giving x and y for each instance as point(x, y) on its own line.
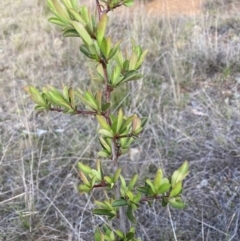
point(190, 93)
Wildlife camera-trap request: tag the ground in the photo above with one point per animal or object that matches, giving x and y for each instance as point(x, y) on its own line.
point(190, 94)
point(173, 7)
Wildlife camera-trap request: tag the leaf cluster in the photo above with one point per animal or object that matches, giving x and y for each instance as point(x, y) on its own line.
point(79, 22)
point(106, 233)
point(122, 130)
point(167, 190)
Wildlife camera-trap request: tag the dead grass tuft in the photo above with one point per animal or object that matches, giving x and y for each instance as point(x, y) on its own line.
point(190, 94)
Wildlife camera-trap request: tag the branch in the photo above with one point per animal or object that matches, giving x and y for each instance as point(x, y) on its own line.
point(110, 9)
point(99, 9)
point(108, 90)
point(83, 112)
point(127, 135)
point(145, 199)
point(102, 184)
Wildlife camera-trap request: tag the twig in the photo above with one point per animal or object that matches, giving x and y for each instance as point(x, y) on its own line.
point(108, 90)
point(83, 112)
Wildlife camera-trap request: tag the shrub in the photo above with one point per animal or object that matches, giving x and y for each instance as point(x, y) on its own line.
point(113, 68)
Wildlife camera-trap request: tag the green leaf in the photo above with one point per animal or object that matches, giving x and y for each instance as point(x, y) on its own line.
point(65, 93)
point(59, 100)
point(114, 50)
point(85, 14)
point(136, 124)
point(116, 75)
point(96, 174)
point(88, 96)
point(141, 59)
point(128, 3)
point(77, 16)
point(74, 3)
point(120, 233)
point(38, 107)
point(99, 169)
point(102, 212)
point(101, 204)
point(103, 47)
point(36, 96)
point(108, 179)
point(84, 178)
point(108, 47)
point(50, 5)
point(106, 133)
point(176, 203)
point(158, 178)
point(71, 97)
point(93, 181)
point(131, 75)
point(137, 198)
point(163, 188)
point(70, 33)
point(67, 3)
point(99, 77)
point(94, 49)
point(61, 10)
point(176, 177)
point(124, 150)
point(108, 205)
point(123, 183)
point(143, 190)
point(127, 123)
point(119, 120)
point(101, 28)
point(143, 121)
point(84, 168)
point(84, 188)
point(177, 188)
point(132, 229)
point(104, 154)
point(82, 33)
point(56, 21)
point(105, 145)
point(99, 99)
point(126, 65)
point(132, 182)
point(133, 61)
point(84, 49)
point(148, 181)
point(130, 195)
point(130, 214)
point(111, 236)
point(184, 167)
point(106, 107)
point(116, 175)
point(130, 235)
point(97, 235)
point(103, 122)
point(118, 57)
point(164, 202)
point(119, 203)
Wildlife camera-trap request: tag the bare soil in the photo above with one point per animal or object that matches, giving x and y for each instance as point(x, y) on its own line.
point(174, 7)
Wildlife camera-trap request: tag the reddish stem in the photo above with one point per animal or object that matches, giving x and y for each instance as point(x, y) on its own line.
point(127, 135)
point(83, 112)
point(99, 9)
point(103, 184)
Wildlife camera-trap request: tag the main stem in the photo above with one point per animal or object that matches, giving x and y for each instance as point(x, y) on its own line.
point(113, 148)
point(108, 91)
